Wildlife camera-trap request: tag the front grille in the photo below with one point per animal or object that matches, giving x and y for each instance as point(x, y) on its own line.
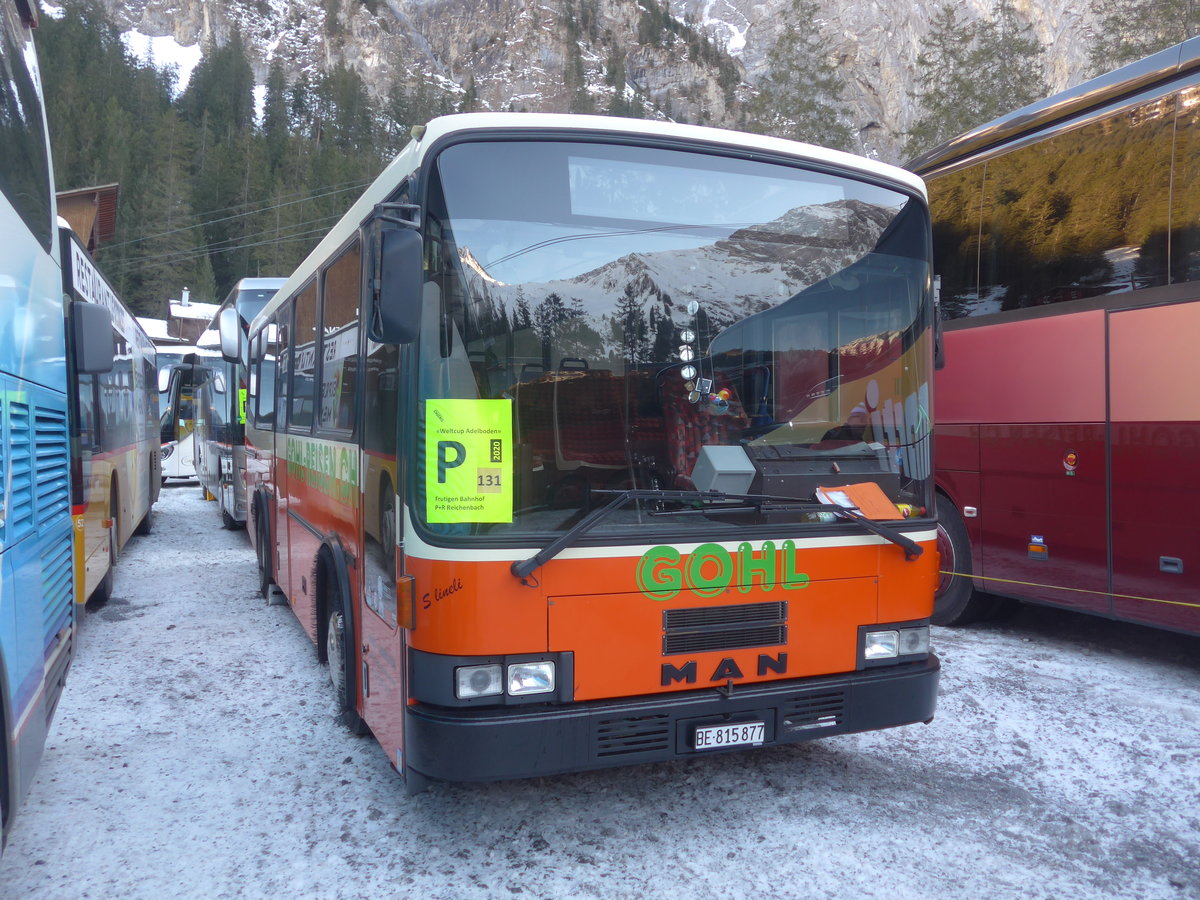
point(631, 735)
point(724, 627)
point(813, 712)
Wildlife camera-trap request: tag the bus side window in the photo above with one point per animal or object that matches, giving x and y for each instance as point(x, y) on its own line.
point(284, 363)
point(264, 369)
point(304, 369)
point(339, 343)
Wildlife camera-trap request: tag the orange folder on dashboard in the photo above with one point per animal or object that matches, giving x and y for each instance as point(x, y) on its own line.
point(868, 498)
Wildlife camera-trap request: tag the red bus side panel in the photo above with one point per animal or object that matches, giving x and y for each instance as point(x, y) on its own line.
point(1155, 390)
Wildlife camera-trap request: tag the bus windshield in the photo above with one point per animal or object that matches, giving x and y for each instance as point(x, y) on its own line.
point(638, 317)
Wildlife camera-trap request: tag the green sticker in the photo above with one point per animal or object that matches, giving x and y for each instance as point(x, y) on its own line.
point(241, 406)
point(468, 461)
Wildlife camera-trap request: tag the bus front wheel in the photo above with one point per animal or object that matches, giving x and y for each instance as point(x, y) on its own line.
point(338, 657)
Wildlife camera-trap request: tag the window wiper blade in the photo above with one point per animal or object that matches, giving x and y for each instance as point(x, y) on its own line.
point(911, 548)
point(523, 568)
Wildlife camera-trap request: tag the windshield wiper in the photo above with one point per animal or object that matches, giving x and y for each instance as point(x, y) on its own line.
point(524, 567)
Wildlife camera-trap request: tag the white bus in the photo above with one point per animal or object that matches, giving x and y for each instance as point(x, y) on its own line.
point(219, 392)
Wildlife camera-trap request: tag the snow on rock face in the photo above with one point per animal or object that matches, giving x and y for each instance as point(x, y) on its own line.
point(520, 55)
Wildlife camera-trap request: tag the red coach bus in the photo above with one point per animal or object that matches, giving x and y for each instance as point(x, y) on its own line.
point(536, 438)
point(1067, 239)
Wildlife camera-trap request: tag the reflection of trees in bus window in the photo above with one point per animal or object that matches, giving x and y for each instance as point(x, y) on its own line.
point(24, 175)
point(954, 202)
point(339, 354)
point(304, 360)
point(1081, 213)
point(1185, 214)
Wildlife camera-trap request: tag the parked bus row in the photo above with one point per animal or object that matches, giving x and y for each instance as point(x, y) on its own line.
point(79, 426)
point(1067, 238)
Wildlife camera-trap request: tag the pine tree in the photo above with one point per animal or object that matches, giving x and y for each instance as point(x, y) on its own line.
point(1131, 29)
point(800, 97)
point(973, 71)
point(275, 114)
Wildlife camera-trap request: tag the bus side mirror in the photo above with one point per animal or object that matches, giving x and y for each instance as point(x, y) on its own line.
point(397, 313)
point(94, 348)
point(230, 329)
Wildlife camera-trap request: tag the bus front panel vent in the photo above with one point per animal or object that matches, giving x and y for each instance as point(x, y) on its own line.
point(632, 735)
point(812, 712)
point(708, 628)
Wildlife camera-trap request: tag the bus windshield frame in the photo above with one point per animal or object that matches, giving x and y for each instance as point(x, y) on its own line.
point(620, 316)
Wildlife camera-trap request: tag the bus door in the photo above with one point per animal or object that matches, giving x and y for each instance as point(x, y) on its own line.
point(384, 637)
point(1155, 433)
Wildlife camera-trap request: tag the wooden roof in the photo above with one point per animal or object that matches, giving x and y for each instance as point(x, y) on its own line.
point(92, 213)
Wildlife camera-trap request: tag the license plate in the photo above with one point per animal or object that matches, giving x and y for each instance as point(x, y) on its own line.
point(743, 734)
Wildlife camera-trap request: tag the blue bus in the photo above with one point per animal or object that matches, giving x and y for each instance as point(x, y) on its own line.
point(46, 342)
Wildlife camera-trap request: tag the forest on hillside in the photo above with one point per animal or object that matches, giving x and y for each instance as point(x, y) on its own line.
point(212, 190)
point(208, 194)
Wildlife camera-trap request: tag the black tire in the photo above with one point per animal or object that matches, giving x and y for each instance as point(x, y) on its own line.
point(229, 521)
point(265, 576)
point(956, 601)
point(337, 654)
point(104, 589)
point(146, 525)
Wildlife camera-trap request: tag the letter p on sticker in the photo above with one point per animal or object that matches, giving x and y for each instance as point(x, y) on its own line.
point(446, 460)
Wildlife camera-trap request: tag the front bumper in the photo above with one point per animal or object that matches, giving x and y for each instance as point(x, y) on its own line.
point(493, 744)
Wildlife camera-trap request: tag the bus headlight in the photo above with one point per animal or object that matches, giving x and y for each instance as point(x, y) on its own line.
point(531, 678)
point(478, 681)
point(881, 644)
point(894, 643)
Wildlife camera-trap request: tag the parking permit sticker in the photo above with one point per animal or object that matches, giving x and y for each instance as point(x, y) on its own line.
point(468, 461)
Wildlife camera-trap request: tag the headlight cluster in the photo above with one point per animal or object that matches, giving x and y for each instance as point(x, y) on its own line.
point(894, 643)
point(519, 680)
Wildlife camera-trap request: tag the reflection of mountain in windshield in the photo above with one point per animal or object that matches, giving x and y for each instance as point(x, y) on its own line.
point(738, 275)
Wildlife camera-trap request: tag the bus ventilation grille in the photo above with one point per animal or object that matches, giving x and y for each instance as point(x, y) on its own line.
point(724, 627)
point(813, 712)
point(632, 735)
point(20, 509)
point(53, 464)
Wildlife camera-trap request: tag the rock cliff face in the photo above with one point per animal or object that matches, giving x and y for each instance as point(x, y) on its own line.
point(556, 55)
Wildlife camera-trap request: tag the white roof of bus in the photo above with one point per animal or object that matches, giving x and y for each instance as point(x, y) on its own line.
point(409, 159)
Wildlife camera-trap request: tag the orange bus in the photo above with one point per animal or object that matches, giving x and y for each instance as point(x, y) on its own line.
point(584, 441)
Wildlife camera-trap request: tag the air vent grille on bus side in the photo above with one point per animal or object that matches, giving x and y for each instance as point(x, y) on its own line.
point(53, 465)
point(57, 572)
point(707, 628)
point(630, 735)
point(20, 500)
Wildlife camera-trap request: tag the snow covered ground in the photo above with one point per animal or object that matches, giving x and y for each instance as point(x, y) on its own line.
point(196, 754)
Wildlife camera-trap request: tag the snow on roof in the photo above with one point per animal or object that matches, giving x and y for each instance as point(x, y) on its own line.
point(154, 328)
point(203, 311)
